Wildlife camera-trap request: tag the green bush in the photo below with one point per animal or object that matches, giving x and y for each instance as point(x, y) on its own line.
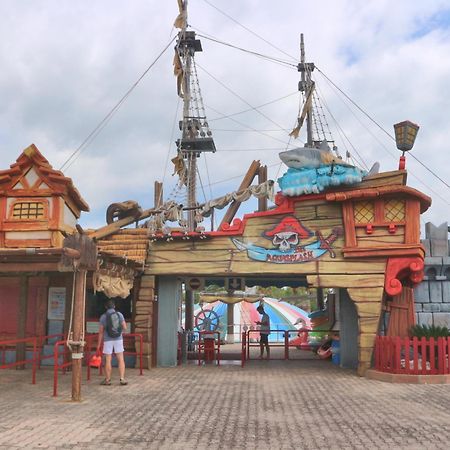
point(429, 331)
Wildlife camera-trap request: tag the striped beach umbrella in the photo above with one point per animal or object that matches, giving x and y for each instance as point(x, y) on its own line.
point(282, 315)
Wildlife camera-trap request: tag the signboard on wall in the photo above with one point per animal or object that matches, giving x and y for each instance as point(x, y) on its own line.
point(195, 284)
point(235, 284)
point(56, 303)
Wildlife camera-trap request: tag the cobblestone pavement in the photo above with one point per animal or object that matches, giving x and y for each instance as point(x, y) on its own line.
point(267, 405)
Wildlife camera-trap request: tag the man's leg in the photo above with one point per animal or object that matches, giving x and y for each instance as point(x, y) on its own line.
point(108, 367)
point(121, 364)
point(261, 348)
point(267, 349)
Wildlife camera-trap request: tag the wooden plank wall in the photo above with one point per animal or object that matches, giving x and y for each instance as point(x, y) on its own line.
point(143, 319)
point(219, 256)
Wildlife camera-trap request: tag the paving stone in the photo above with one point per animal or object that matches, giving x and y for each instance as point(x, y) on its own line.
point(266, 405)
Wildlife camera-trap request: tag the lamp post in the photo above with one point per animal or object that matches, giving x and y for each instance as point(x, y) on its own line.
point(405, 136)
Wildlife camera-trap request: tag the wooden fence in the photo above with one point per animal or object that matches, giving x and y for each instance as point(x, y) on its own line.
point(412, 356)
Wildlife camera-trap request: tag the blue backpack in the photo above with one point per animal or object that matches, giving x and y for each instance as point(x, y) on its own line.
point(113, 324)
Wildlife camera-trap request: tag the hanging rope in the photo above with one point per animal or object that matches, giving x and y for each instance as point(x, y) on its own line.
point(70, 333)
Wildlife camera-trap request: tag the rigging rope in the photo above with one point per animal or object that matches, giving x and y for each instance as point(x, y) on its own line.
point(70, 333)
point(323, 74)
point(252, 108)
point(249, 127)
point(379, 126)
point(250, 31)
point(241, 98)
point(251, 52)
point(94, 133)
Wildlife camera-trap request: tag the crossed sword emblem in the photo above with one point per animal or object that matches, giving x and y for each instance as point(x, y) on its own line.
point(325, 242)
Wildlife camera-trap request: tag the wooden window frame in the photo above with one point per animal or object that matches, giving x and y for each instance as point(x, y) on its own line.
point(379, 216)
point(41, 201)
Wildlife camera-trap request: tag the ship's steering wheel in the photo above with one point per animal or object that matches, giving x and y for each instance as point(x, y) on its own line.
point(207, 320)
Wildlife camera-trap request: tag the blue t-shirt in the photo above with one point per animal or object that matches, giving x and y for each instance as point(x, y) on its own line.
point(106, 336)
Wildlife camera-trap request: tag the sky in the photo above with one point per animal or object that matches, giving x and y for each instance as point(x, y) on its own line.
point(66, 64)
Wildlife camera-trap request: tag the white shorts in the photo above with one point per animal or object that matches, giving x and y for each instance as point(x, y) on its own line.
point(113, 346)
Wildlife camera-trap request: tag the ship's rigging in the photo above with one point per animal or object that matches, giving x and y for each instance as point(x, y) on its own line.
point(194, 123)
point(196, 136)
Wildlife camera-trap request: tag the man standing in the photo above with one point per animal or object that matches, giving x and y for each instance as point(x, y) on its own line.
point(264, 331)
point(112, 324)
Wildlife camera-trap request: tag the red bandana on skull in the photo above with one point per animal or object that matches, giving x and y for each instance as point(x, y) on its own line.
point(287, 234)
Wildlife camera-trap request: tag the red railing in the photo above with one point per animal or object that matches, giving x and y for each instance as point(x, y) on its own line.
point(34, 342)
point(412, 356)
point(284, 343)
point(41, 340)
point(209, 346)
point(66, 362)
point(90, 339)
point(138, 354)
point(31, 342)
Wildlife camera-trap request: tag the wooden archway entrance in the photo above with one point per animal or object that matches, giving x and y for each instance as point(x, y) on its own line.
point(365, 240)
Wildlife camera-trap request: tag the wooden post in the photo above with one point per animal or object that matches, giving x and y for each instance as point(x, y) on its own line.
point(158, 201)
point(189, 311)
point(22, 319)
point(262, 178)
point(230, 323)
point(246, 182)
point(155, 332)
point(78, 326)
point(86, 250)
point(320, 300)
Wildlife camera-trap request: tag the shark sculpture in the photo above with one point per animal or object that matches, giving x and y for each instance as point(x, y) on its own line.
point(313, 169)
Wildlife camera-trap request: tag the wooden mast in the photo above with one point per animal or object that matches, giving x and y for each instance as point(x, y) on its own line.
point(192, 156)
point(195, 133)
point(305, 85)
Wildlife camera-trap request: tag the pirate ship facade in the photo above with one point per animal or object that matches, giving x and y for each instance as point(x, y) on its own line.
point(344, 228)
point(363, 240)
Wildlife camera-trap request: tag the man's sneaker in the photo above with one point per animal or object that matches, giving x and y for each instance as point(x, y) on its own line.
point(106, 382)
point(123, 382)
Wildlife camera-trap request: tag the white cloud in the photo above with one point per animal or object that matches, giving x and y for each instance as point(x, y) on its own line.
point(66, 64)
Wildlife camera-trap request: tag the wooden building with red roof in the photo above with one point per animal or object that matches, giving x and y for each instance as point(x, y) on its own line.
point(39, 208)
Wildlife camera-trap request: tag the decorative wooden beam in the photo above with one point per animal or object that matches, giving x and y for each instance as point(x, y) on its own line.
point(246, 182)
point(158, 194)
point(113, 227)
point(262, 178)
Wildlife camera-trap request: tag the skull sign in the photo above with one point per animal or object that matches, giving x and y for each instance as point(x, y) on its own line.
point(286, 234)
point(285, 240)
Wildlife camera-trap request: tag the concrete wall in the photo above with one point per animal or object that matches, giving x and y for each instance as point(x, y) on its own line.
point(432, 296)
point(348, 319)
